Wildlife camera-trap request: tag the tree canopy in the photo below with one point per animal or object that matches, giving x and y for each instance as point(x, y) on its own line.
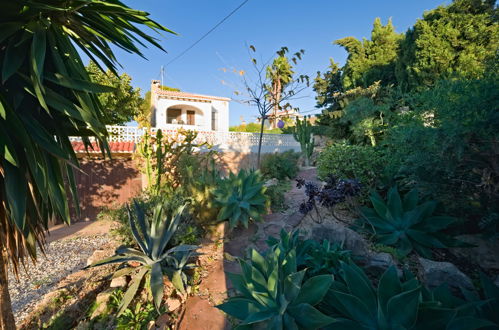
point(123, 103)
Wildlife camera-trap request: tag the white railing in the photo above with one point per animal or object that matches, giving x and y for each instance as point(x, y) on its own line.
point(222, 141)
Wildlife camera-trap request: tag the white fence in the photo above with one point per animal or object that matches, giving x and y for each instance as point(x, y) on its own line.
point(221, 141)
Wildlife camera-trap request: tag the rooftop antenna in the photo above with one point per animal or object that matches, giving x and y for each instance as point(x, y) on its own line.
point(162, 74)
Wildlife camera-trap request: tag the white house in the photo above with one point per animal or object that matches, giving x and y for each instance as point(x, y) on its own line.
point(172, 110)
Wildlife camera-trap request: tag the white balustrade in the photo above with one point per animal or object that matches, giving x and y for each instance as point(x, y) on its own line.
point(222, 141)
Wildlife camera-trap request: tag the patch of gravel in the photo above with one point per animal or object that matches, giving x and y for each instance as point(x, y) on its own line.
point(62, 258)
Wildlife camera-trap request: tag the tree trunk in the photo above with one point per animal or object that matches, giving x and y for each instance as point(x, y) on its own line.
point(6, 317)
point(260, 142)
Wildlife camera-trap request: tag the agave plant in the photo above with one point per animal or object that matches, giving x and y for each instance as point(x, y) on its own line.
point(355, 304)
point(273, 294)
point(406, 224)
point(241, 197)
point(154, 256)
point(325, 258)
point(288, 241)
point(440, 309)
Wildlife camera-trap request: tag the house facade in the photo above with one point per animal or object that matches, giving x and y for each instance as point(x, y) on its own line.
point(173, 110)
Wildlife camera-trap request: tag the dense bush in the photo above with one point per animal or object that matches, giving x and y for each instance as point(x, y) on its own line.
point(281, 166)
point(275, 195)
point(447, 146)
point(363, 163)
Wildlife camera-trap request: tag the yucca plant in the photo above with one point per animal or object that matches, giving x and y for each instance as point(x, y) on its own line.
point(273, 295)
point(46, 96)
point(154, 256)
point(241, 198)
point(406, 224)
point(355, 304)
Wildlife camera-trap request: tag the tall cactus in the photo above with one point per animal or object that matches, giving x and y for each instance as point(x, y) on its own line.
point(303, 134)
point(153, 153)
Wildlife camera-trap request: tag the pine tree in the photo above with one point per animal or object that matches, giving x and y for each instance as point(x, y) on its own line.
point(458, 40)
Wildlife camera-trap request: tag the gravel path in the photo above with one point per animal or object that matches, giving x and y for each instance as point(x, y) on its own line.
point(62, 258)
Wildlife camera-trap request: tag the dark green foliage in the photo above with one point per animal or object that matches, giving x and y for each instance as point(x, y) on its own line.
point(355, 304)
point(325, 258)
point(283, 165)
point(156, 256)
point(274, 295)
point(406, 223)
point(317, 258)
point(447, 146)
point(200, 183)
point(123, 103)
point(275, 194)
point(363, 163)
point(458, 40)
point(371, 60)
point(241, 198)
point(46, 95)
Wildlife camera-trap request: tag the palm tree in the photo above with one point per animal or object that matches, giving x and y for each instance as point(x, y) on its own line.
point(45, 97)
point(280, 73)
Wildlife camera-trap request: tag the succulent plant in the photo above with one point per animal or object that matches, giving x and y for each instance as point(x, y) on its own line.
point(274, 295)
point(154, 257)
point(355, 304)
point(406, 224)
point(303, 134)
point(241, 197)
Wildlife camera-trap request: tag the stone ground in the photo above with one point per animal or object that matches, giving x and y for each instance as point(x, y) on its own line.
point(219, 257)
point(66, 252)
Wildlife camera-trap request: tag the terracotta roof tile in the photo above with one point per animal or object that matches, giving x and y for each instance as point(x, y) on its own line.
point(114, 147)
point(185, 95)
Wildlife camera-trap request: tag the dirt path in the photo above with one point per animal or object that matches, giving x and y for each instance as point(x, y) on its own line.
point(219, 257)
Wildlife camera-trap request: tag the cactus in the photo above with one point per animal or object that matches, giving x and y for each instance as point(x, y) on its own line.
point(303, 134)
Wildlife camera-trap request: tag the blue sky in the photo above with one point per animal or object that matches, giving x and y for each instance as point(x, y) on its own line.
point(268, 25)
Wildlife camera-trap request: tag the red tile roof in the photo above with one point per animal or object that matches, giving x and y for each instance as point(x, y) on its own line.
point(184, 95)
point(114, 147)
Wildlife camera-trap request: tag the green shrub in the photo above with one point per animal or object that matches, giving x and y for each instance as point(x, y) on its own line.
point(405, 223)
point(446, 146)
point(317, 258)
point(276, 195)
point(241, 198)
point(200, 184)
point(281, 166)
point(363, 163)
point(274, 295)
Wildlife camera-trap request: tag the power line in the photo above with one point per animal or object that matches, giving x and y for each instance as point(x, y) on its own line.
point(207, 33)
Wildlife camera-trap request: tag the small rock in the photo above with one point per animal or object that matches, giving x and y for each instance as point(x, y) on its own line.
point(118, 282)
point(272, 229)
point(271, 182)
point(96, 256)
point(294, 219)
point(101, 302)
point(163, 321)
point(436, 273)
point(338, 233)
point(172, 304)
point(485, 253)
point(377, 263)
